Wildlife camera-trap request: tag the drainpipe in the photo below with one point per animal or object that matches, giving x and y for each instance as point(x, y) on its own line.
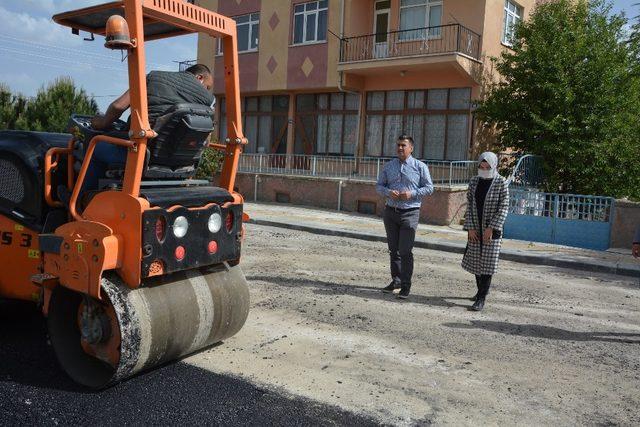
point(341, 19)
point(256, 180)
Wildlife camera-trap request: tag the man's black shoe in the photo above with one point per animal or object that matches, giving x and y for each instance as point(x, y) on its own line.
point(478, 305)
point(404, 293)
point(391, 287)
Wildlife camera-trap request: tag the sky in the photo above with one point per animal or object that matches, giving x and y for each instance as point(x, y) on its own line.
point(34, 50)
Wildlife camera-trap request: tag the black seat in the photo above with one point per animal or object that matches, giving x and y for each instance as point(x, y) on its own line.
point(175, 153)
point(182, 136)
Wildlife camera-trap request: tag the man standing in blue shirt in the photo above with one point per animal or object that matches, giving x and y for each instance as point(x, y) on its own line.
point(403, 183)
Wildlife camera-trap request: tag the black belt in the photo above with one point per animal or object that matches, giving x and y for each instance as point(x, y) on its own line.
point(393, 208)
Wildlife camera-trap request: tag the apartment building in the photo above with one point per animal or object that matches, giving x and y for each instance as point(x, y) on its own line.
point(346, 77)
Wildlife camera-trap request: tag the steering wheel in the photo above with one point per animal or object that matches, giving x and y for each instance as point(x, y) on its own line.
point(84, 123)
point(119, 125)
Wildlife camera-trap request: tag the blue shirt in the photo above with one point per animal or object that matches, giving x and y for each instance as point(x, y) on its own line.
point(412, 175)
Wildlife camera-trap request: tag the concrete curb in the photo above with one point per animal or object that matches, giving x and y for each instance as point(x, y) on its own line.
point(560, 261)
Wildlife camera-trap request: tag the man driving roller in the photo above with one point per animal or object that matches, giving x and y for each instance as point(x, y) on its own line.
point(164, 90)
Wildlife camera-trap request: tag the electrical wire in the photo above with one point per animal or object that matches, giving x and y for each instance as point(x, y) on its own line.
point(67, 51)
point(63, 60)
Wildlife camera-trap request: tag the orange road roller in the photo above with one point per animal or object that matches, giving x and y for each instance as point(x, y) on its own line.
point(144, 268)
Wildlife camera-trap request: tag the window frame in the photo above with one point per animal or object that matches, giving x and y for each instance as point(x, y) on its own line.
point(258, 111)
point(516, 17)
point(424, 110)
point(306, 13)
point(428, 35)
point(248, 24)
point(328, 110)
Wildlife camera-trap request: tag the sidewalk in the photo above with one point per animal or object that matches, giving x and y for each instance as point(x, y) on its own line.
point(334, 223)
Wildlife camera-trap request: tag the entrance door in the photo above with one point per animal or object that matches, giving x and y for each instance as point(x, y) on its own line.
point(381, 28)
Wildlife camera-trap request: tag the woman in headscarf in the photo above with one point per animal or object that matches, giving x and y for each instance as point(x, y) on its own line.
point(487, 206)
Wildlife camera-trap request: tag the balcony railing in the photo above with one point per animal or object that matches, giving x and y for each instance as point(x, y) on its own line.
point(183, 65)
point(443, 172)
point(443, 39)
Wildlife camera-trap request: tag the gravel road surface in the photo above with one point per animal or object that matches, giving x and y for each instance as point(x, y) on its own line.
point(323, 345)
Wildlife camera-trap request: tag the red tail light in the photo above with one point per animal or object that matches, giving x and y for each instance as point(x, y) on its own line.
point(212, 247)
point(179, 253)
point(229, 221)
point(161, 228)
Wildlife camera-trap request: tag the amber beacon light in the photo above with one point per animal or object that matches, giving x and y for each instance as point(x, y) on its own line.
point(117, 33)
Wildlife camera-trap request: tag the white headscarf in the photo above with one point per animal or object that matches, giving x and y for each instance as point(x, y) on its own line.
point(492, 159)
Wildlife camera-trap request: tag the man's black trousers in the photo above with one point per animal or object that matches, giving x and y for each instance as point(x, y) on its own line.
point(401, 226)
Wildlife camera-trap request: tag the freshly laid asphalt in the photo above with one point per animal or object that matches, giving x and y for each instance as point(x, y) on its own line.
point(35, 391)
point(442, 238)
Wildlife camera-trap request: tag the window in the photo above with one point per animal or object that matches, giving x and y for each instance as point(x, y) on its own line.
point(512, 17)
point(310, 22)
point(415, 15)
point(327, 123)
point(264, 120)
point(248, 27)
point(437, 119)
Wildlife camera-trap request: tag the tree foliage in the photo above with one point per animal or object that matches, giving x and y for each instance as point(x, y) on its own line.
point(570, 91)
point(48, 111)
point(12, 107)
point(210, 163)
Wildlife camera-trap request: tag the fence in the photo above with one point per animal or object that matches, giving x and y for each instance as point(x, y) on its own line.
point(565, 219)
point(528, 173)
point(436, 40)
point(443, 172)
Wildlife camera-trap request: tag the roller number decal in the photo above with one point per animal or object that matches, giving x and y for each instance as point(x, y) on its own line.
point(6, 238)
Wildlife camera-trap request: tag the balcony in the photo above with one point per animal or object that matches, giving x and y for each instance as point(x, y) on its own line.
point(419, 42)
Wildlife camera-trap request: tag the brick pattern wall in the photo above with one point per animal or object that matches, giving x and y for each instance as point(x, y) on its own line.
point(443, 207)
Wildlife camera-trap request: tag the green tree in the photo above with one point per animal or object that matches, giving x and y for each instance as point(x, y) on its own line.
point(11, 107)
point(52, 106)
point(210, 163)
point(570, 91)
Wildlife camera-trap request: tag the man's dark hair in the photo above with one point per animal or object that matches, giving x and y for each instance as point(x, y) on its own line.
point(405, 137)
point(198, 70)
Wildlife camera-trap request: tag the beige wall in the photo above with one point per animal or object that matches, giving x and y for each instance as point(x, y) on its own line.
point(464, 12)
point(493, 24)
point(207, 44)
point(358, 18)
point(333, 55)
point(273, 43)
point(482, 16)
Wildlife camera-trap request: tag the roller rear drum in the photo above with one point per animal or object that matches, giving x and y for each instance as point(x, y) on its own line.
point(99, 343)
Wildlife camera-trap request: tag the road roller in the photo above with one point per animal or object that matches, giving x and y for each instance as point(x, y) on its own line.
point(145, 267)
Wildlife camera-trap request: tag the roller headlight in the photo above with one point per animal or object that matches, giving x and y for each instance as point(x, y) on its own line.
point(180, 226)
point(215, 222)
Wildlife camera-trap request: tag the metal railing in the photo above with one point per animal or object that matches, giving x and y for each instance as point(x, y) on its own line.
point(183, 65)
point(437, 40)
point(578, 207)
point(443, 172)
point(528, 173)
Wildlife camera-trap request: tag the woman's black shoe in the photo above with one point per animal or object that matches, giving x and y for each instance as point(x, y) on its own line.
point(478, 305)
point(475, 297)
point(391, 287)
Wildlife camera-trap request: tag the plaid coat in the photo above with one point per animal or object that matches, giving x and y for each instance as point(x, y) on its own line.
point(480, 258)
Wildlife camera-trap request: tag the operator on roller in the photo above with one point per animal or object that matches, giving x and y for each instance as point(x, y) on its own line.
point(164, 90)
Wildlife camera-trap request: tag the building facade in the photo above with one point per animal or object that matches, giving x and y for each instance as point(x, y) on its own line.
point(346, 77)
